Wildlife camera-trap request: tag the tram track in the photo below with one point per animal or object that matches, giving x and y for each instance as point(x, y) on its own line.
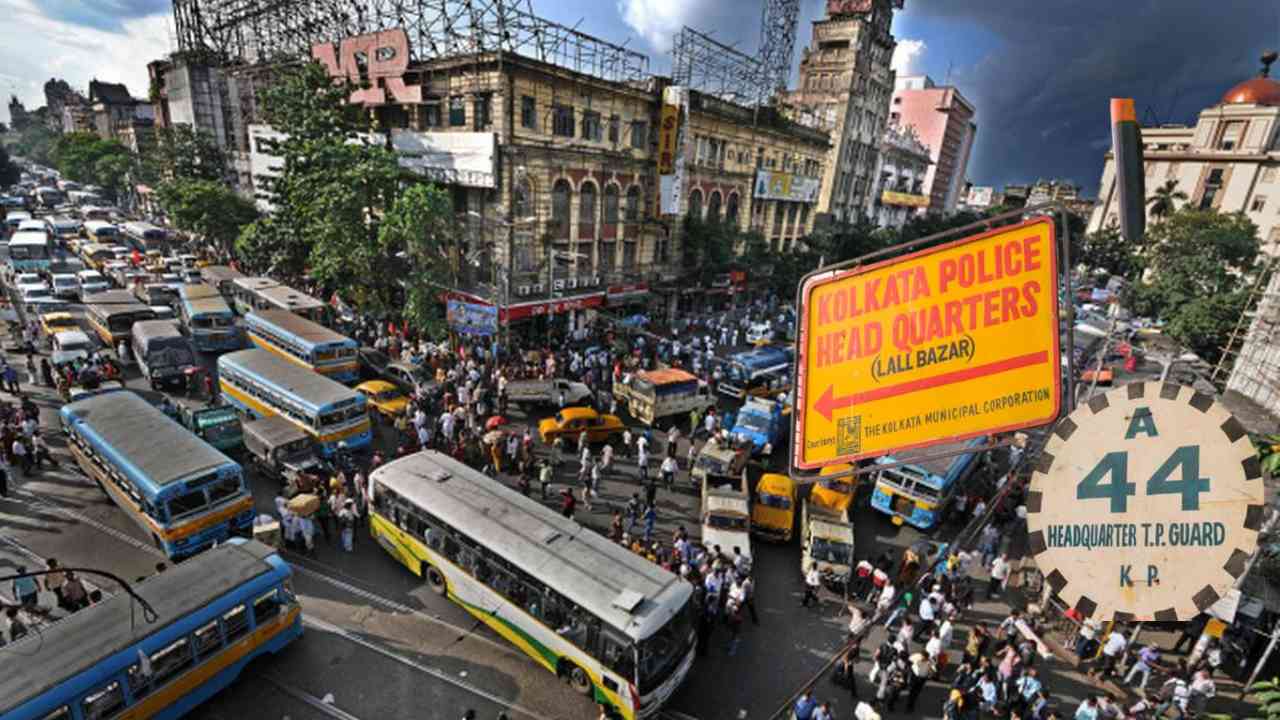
point(302, 568)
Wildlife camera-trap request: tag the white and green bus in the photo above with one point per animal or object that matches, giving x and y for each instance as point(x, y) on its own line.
point(616, 626)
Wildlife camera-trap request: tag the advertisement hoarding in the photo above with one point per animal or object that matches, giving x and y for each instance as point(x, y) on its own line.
point(471, 318)
point(672, 186)
point(945, 344)
point(889, 197)
point(785, 186)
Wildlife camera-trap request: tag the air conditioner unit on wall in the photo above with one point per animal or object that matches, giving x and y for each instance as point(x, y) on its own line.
point(558, 284)
point(538, 289)
point(522, 290)
point(572, 283)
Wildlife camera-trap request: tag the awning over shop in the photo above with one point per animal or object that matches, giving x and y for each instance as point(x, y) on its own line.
point(551, 307)
point(621, 294)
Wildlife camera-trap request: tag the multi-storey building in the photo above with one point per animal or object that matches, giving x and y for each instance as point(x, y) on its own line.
point(553, 173)
point(1228, 161)
point(899, 187)
point(117, 115)
point(846, 82)
point(943, 120)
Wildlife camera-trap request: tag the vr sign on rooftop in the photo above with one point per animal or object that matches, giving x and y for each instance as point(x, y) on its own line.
point(952, 342)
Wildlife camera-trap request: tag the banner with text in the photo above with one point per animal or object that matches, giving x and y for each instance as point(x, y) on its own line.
point(945, 344)
point(471, 318)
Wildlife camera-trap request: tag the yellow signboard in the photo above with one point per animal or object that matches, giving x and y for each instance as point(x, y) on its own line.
point(668, 130)
point(889, 197)
point(949, 343)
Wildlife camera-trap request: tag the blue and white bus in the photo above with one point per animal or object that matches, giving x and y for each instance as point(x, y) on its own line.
point(215, 614)
point(919, 493)
point(764, 372)
point(180, 490)
point(263, 293)
point(305, 343)
point(261, 384)
point(209, 321)
point(30, 251)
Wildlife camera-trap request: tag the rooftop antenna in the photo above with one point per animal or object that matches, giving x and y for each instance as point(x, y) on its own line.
point(1268, 57)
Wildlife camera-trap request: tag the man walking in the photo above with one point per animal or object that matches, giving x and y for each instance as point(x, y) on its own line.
point(812, 581)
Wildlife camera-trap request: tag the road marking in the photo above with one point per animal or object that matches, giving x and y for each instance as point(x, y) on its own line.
point(315, 702)
point(438, 674)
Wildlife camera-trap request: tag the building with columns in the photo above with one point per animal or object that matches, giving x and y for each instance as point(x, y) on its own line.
point(1228, 161)
point(903, 167)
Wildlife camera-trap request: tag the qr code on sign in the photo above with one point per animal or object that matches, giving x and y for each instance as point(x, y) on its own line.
point(849, 435)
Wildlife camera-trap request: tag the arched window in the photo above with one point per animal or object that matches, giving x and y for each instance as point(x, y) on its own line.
point(610, 204)
point(713, 207)
point(633, 203)
point(695, 204)
point(560, 193)
point(731, 211)
point(587, 210)
point(522, 202)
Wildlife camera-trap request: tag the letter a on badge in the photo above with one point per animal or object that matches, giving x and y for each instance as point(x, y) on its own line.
point(1143, 422)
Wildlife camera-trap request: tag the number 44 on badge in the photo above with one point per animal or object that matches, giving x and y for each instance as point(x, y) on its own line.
point(1145, 504)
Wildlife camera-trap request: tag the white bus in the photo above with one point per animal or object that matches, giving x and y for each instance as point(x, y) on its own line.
point(146, 236)
point(101, 232)
point(617, 626)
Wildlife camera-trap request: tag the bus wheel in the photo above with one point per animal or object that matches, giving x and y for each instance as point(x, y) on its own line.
point(436, 580)
point(579, 680)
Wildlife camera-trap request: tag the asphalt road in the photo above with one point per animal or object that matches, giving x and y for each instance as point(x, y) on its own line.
point(384, 646)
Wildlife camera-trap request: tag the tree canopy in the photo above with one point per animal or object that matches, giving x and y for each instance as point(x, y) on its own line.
point(180, 151)
point(10, 173)
point(87, 158)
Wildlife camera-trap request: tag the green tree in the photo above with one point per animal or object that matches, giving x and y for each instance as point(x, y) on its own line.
point(708, 245)
point(10, 173)
point(180, 151)
point(207, 209)
point(35, 142)
point(1200, 264)
point(79, 156)
point(1107, 250)
point(420, 225)
point(1164, 201)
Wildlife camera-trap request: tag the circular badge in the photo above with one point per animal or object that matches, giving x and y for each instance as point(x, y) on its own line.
point(1145, 504)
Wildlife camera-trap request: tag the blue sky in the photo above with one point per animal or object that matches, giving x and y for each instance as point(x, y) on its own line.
point(1039, 71)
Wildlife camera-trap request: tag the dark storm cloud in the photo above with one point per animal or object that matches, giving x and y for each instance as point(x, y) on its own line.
point(1042, 96)
point(108, 15)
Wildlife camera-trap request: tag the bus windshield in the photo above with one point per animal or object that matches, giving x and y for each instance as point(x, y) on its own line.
point(208, 322)
point(660, 653)
point(774, 501)
point(836, 553)
point(727, 522)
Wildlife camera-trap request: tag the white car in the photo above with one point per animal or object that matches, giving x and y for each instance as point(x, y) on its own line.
point(69, 345)
point(27, 279)
point(91, 281)
point(759, 333)
point(35, 294)
point(66, 285)
point(32, 226)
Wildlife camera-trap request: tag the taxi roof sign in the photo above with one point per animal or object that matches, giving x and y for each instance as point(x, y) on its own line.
point(947, 343)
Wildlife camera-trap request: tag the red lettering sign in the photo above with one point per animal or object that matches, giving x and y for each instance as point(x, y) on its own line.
point(385, 56)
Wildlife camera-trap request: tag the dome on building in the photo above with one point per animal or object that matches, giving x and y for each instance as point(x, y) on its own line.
point(1261, 90)
point(1254, 91)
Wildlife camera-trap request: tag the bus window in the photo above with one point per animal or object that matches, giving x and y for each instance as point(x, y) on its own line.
point(223, 489)
point(170, 661)
point(265, 607)
point(235, 623)
point(104, 702)
point(187, 504)
point(208, 640)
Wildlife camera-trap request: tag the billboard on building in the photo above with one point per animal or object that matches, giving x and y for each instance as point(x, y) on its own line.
point(785, 186)
point(672, 185)
point(667, 129)
point(457, 158)
point(889, 197)
point(980, 196)
point(471, 318)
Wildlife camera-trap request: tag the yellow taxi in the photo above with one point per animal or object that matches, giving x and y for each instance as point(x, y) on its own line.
point(570, 422)
point(773, 512)
point(836, 494)
point(384, 397)
point(53, 323)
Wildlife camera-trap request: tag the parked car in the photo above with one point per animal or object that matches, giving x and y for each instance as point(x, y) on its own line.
point(65, 285)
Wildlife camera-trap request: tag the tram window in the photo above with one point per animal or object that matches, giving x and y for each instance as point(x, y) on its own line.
point(265, 607)
point(170, 661)
point(207, 639)
point(235, 623)
point(103, 703)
